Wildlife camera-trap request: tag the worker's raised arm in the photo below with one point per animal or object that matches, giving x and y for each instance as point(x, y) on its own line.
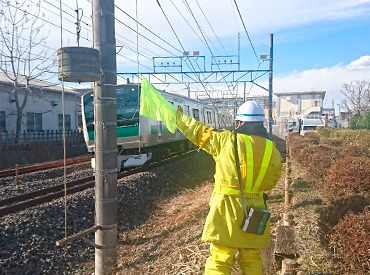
point(198, 133)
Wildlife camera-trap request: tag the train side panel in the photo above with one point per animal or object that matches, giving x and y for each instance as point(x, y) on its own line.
point(134, 131)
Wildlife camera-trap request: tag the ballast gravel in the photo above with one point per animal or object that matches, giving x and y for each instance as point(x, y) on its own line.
point(28, 238)
point(41, 179)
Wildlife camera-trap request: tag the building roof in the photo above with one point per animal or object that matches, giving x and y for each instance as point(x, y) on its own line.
point(301, 93)
point(37, 84)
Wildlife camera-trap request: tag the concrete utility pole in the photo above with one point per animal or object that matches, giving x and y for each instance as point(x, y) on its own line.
point(105, 138)
point(270, 82)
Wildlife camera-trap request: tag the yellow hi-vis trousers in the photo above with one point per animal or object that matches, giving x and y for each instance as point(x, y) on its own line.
point(222, 260)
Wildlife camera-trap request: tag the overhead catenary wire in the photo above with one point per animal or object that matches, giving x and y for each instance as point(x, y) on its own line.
point(142, 51)
point(64, 29)
point(211, 27)
point(250, 41)
point(201, 82)
point(203, 34)
point(147, 29)
point(46, 21)
point(187, 22)
point(127, 26)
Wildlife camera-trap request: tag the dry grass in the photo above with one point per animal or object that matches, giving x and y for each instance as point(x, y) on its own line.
point(169, 242)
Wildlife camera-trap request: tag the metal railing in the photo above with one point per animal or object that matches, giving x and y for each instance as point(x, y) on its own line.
point(46, 137)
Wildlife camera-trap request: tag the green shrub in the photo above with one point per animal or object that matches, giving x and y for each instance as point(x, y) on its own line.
point(350, 137)
point(353, 122)
point(364, 121)
point(324, 132)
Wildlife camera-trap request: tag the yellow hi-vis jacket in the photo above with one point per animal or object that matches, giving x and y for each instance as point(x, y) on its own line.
point(226, 215)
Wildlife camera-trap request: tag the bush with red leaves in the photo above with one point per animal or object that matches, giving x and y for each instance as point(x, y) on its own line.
point(351, 243)
point(353, 151)
point(334, 142)
point(316, 160)
point(334, 212)
point(296, 146)
point(346, 178)
point(312, 136)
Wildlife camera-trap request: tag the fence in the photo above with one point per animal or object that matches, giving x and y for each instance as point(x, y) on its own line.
point(48, 137)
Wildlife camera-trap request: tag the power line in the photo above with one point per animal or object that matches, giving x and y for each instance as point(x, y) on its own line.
point(144, 36)
point(201, 82)
point(186, 21)
point(209, 48)
point(250, 41)
point(46, 21)
point(211, 27)
point(147, 29)
point(200, 29)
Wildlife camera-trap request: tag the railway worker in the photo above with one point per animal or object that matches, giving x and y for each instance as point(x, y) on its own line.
point(258, 156)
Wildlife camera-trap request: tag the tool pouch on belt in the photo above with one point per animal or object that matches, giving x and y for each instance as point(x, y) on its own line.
point(256, 218)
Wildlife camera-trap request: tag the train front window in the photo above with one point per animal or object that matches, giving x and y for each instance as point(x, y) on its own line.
point(89, 111)
point(127, 107)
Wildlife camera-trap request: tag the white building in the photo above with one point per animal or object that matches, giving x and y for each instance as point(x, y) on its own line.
point(293, 105)
point(43, 110)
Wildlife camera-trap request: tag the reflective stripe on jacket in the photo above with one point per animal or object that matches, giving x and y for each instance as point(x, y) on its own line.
point(226, 214)
point(252, 184)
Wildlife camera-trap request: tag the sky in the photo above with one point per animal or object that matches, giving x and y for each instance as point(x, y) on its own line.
point(317, 45)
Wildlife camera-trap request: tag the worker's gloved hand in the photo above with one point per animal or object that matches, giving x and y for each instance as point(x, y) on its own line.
point(180, 109)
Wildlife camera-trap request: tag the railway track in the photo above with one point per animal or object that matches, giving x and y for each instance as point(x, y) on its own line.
point(24, 201)
point(44, 166)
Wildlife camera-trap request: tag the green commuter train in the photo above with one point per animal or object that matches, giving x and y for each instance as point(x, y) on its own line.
point(137, 134)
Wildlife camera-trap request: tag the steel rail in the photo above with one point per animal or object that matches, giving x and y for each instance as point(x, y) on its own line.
point(24, 201)
point(43, 166)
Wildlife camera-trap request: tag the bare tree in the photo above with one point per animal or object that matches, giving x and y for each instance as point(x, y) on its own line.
point(357, 97)
point(24, 55)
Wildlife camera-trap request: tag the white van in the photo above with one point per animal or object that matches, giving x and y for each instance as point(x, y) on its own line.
point(309, 124)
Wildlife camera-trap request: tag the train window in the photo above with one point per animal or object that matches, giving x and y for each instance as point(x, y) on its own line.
point(89, 111)
point(209, 117)
point(213, 117)
point(187, 109)
point(196, 113)
point(127, 108)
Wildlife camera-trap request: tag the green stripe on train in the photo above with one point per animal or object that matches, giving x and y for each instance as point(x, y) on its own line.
point(121, 132)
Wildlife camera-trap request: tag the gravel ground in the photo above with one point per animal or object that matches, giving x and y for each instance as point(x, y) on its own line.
point(28, 238)
point(40, 179)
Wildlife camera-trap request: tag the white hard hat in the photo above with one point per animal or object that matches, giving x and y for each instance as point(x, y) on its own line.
point(250, 111)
